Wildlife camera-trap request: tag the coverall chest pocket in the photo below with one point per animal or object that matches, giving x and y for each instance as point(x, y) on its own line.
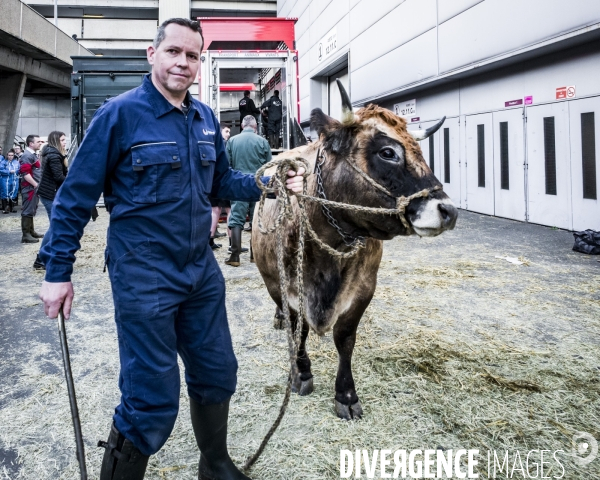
point(208, 159)
point(157, 172)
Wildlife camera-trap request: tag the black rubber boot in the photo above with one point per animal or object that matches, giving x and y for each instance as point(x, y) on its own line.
point(122, 461)
point(4, 206)
point(38, 264)
point(210, 428)
point(236, 246)
point(34, 234)
point(11, 206)
point(26, 223)
point(251, 252)
point(212, 243)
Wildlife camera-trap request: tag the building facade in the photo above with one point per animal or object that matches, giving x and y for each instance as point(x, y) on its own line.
point(517, 81)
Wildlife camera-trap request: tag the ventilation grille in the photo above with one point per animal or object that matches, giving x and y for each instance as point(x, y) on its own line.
point(550, 155)
point(481, 156)
point(588, 153)
point(446, 155)
point(504, 173)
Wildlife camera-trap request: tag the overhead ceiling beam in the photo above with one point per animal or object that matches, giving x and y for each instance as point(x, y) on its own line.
point(34, 69)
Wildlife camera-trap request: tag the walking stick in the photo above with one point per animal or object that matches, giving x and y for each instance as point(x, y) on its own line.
point(72, 399)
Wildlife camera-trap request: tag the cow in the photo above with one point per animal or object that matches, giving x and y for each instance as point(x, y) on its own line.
point(338, 290)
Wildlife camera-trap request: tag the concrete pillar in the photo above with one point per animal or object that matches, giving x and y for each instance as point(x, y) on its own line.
point(173, 8)
point(12, 86)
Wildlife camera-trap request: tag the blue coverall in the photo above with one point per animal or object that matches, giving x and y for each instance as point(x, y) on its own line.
point(157, 167)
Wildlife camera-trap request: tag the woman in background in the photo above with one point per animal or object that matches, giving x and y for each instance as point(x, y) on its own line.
point(54, 171)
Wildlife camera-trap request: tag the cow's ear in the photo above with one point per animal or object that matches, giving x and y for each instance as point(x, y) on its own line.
point(322, 123)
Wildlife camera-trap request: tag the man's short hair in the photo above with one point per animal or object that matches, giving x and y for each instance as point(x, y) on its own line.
point(276, 93)
point(184, 22)
point(246, 93)
point(249, 121)
point(31, 139)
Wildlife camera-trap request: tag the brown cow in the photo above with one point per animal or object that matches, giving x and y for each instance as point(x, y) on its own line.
point(337, 291)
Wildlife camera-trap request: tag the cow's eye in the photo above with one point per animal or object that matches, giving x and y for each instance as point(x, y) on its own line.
point(388, 153)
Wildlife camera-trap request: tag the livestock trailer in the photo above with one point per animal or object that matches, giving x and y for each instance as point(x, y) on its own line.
point(255, 54)
point(97, 79)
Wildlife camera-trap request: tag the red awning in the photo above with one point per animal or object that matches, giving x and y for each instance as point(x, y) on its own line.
point(244, 29)
point(236, 87)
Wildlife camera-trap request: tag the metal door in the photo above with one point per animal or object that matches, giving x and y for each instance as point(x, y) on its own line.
point(509, 165)
point(549, 165)
point(479, 164)
point(585, 172)
point(429, 146)
point(449, 159)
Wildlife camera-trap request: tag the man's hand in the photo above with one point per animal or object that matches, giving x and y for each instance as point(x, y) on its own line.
point(294, 183)
point(56, 294)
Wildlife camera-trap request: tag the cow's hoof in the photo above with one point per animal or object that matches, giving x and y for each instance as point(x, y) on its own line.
point(348, 412)
point(304, 387)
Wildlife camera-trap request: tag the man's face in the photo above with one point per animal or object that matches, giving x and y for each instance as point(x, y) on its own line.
point(176, 60)
point(35, 145)
point(226, 132)
point(17, 150)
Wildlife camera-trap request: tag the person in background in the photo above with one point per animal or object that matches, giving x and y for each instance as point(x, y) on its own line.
point(247, 153)
point(218, 204)
point(247, 107)
point(54, 172)
point(12, 180)
point(4, 182)
point(31, 174)
point(18, 154)
point(274, 108)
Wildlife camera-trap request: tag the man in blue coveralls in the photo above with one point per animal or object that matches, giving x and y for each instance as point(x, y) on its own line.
point(157, 154)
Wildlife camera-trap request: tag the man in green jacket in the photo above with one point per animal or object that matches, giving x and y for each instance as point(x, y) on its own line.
point(247, 153)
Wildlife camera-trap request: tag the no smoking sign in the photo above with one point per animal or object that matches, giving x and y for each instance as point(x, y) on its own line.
point(566, 92)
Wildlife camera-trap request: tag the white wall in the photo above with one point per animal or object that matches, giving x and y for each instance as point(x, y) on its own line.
point(43, 115)
point(393, 44)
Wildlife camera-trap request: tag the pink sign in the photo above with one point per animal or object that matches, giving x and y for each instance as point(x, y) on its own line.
point(529, 100)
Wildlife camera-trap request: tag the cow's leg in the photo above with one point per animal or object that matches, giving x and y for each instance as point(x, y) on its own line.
point(347, 405)
point(304, 384)
point(278, 319)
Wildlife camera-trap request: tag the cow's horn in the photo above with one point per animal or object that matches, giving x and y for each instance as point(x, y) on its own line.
point(423, 134)
point(347, 112)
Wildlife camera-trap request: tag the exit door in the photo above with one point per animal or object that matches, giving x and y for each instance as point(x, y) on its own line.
point(549, 165)
point(509, 165)
point(585, 171)
point(479, 164)
point(449, 155)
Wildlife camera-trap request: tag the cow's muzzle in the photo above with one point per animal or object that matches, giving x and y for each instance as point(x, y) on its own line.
point(433, 216)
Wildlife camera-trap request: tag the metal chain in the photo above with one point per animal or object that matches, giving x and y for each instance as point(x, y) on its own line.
point(349, 240)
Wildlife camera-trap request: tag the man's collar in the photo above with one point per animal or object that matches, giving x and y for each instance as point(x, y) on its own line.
point(248, 129)
point(160, 104)
point(30, 150)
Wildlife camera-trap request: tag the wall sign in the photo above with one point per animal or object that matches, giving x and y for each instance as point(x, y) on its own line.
point(327, 45)
point(566, 92)
point(513, 103)
point(406, 109)
point(529, 100)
